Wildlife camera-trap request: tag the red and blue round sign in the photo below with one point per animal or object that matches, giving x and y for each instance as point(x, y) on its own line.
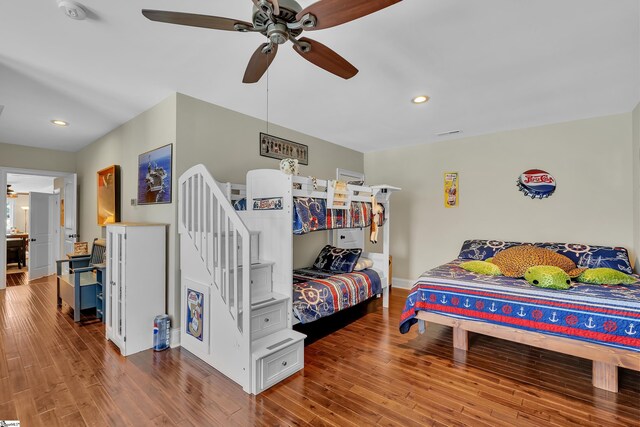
point(537, 184)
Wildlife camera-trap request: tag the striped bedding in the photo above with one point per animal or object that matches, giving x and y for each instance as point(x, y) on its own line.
point(318, 294)
point(602, 314)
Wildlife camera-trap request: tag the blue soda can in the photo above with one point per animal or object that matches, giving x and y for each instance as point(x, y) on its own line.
point(161, 332)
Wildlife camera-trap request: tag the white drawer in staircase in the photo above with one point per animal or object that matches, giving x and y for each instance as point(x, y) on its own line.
point(281, 364)
point(275, 357)
point(268, 319)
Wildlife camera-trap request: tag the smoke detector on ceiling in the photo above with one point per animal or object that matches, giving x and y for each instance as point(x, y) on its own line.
point(72, 9)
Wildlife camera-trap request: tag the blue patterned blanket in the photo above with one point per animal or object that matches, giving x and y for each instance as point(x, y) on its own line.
point(602, 314)
point(311, 214)
point(318, 294)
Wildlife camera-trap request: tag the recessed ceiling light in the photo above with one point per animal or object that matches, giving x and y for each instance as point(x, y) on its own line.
point(420, 99)
point(60, 123)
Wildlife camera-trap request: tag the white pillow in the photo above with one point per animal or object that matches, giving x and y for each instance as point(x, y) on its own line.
point(363, 263)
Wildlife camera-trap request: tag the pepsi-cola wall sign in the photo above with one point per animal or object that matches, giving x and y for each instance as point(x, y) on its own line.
point(537, 184)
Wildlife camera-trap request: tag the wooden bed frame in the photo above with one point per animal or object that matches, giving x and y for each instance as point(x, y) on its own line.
point(606, 360)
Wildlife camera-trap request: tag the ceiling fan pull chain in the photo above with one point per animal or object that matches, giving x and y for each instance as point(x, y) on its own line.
point(267, 101)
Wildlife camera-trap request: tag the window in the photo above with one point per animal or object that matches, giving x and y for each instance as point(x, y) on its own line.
point(11, 207)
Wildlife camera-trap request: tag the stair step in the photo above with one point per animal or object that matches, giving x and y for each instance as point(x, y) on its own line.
point(267, 299)
point(274, 342)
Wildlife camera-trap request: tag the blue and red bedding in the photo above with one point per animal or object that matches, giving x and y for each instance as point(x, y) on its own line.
point(602, 314)
point(311, 214)
point(318, 294)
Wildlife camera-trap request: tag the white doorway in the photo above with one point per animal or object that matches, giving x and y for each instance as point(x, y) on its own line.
point(39, 218)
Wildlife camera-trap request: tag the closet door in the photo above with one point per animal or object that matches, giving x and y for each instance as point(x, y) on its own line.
point(116, 317)
point(120, 290)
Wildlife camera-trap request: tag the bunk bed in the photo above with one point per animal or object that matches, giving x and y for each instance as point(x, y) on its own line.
point(316, 205)
point(322, 290)
point(242, 324)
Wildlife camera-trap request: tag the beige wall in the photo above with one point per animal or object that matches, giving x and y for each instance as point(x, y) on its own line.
point(226, 142)
point(636, 184)
point(18, 156)
point(152, 129)
point(593, 203)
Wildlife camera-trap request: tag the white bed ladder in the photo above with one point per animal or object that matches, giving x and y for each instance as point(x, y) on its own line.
point(231, 320)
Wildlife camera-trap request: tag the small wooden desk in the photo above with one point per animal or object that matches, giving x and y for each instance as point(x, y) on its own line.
point(23, 236)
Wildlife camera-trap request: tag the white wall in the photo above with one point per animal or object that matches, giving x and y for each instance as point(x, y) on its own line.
point(20, 221)
point(593, 203)
point(636, 184)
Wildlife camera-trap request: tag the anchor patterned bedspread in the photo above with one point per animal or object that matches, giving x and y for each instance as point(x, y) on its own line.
point(602, 314)
point(318, 294)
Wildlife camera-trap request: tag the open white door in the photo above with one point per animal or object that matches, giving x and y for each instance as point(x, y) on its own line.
point(70, 223)
point(40, 235)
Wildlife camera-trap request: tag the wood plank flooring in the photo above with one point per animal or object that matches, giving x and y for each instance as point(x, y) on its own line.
point(17, 279)
point(54, 372)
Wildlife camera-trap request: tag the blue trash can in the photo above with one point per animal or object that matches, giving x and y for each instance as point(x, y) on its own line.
point(161, 332)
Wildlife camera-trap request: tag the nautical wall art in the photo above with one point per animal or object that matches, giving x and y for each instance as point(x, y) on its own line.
point(536, 183)
point(154, 176)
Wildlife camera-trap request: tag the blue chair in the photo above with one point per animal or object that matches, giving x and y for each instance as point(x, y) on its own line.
point(82, 287)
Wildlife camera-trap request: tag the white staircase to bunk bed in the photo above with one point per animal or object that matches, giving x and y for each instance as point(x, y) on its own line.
point(248, 335)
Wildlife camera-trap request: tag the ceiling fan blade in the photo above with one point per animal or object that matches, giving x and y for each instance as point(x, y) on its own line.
point(193, 20)
point(326, 58)
point(259, 63)
point(330, 13)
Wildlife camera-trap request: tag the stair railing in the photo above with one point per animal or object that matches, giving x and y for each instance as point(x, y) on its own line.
point(217, 232)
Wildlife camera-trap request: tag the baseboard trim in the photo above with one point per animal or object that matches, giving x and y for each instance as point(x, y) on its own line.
point(402, 283)
point(175, 337)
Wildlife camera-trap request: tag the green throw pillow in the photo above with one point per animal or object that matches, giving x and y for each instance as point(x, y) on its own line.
point(548, 276)
point(605, 276)
point(481, 267)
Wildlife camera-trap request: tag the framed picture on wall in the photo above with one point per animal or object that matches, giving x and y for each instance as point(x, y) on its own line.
point(154, 176)
point(108, 195)
point(279, 148)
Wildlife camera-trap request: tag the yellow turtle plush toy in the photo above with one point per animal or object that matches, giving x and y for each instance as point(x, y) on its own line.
point(544, 268)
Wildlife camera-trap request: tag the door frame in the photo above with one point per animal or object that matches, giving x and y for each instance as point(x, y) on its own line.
point(3, 200)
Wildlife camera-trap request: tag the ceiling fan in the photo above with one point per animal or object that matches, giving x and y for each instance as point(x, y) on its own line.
point(281, 21)
point(11, 194)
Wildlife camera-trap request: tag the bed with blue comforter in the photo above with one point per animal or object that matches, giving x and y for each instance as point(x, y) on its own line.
point(608, 315)
point(318, 293)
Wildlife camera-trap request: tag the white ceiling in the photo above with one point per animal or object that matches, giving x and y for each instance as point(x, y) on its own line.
point(30, 183)
point(488, 65)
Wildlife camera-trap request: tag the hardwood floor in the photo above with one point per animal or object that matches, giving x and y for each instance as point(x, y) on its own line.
point(54, 372)
point(17, 279)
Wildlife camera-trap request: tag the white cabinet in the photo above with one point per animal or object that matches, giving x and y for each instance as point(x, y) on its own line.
point(135, 283)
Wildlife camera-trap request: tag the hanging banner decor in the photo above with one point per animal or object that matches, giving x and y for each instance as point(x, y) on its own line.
point(536, 183)
point(451, 189)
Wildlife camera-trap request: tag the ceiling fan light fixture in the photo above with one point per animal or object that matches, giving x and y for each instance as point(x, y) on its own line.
point(420, 99)
point(60, 123)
